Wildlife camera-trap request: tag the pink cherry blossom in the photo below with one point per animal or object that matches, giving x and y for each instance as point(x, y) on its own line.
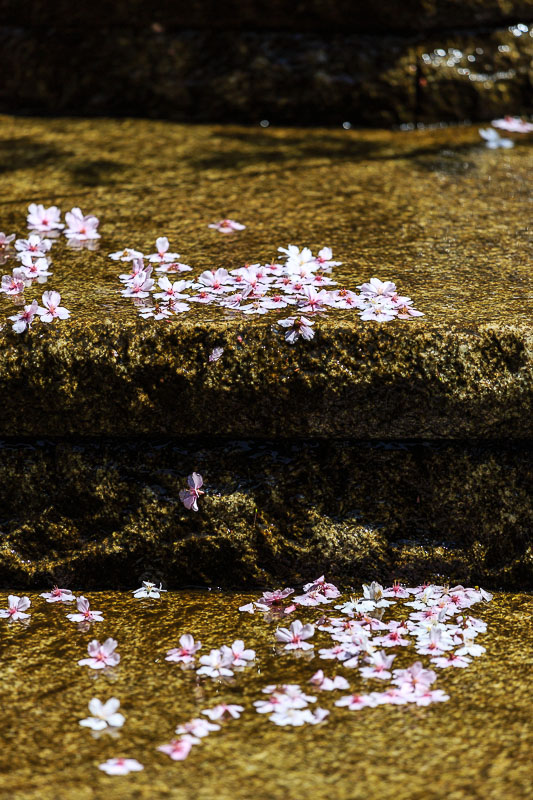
point(274, 598)
point(5, 240)
point(34, 268)
point(217, 281)
point(137, 267)
point(216, 665)
point(196, 729)
point(415, 676)
point(227, 226)
point(178, 749)
point(379, 665)
point(163, 256)
point(139, 286)
point(44, 219)
point(58, 595)
point(85, 614)
point(315, 301)
point(186, 652)
point(294, 637)
point(451, 660)
point(81, 227)
point(238, 654)
point(101, 655)
point(172, 291)
point(189, 497)
point(52, 310)
point(513, 125)
point(219, 712)
point(328, 684)
point(248, 607)
point(34, 246)
point(173, 267)
point(296, 328)
point(379, 310)
point(128, 254)
point(13, 284)
point(120, 766)
point(423, 697)
point(24, 319)
point(354, 702)
point(377, 288)
point(16, 607)
point(104, 715)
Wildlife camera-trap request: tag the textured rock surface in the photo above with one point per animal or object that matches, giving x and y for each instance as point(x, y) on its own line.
point(322, 77)
point(435, 211)
point(108, 515)
point(478, 744)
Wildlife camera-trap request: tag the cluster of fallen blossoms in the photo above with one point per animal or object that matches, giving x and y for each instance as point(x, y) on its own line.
point(34, 260)
point(300, 282)
point(438, 626)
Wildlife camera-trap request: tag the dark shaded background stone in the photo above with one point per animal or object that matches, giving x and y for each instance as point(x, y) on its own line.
point(108, 514)
point(300, 15)
point(242, 75)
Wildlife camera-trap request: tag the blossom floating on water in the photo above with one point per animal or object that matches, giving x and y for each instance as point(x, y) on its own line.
point(120, 766)
point(177, 749)
point(13, 284)
point(196, 729)
point(186, 652)
point(52, 310)
point(294, 637)
point(104, 715)
point(82, 227)
point(24, 319)
point(493, 140)
point(6, 240)
point(44, 219)
point(216, 665)
point(189, 497)
point(220, 711)
point(328, 684)
point(57, 595)
point(101, 655)
point(215, 354)
point(162, 255)
point(227, 226)
point(513, 125)
point(16, 608)
point(34, 245)
point(148, 590)
point(85, 613)
point(34, 268)
point(238, 654)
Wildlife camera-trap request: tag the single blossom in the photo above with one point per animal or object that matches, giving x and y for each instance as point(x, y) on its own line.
point(33, 246)
point(220, 711)
point(57, 595)
point(379, 665)
point(85, 613)
point(162, 255)
point(227, 226)
point(16, 608)
point(80, 226)
point(120, 766)
point(215, 354)
point(44, 219)
point(52, 310)
point(104, 715)
point(148, 589)
point(356, 701)
point(101, 655)
point(186, 652)
point(128, 254)
point(177, 749)
point(294, 637)
point(377, 288)
point(296, 328)
point(493, 140)
point(5, 240)
point(513, 125)
point(238, 654)
point(13, 284)
point(189, 497)
point(216, 665)
point(24, 319)
point(248, 607)
point(34, 268)
point(328, 684)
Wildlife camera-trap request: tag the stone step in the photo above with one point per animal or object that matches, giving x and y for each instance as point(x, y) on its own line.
point(434, 211)
point(285, 77)
point(107, 514)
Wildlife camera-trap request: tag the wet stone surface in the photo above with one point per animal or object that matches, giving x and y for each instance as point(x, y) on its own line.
point(107, 514)
point(435, 211)
point(477, 744)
